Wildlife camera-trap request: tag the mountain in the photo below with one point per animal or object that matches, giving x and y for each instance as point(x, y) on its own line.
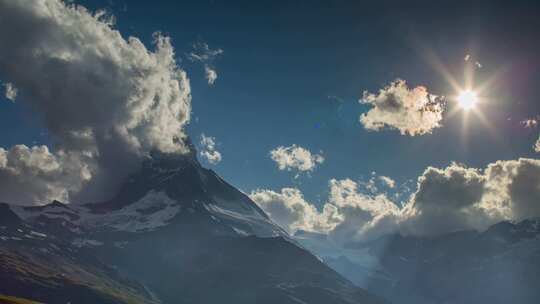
point(15, 300)
point(175, 233)
point(499, 265)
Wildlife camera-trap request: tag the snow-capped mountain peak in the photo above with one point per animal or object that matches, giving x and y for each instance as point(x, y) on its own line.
point(167, 188)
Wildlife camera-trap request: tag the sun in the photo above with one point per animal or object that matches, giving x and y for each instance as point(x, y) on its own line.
point(467, 99)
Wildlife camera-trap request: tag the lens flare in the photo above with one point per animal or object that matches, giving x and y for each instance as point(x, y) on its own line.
point(467, 99)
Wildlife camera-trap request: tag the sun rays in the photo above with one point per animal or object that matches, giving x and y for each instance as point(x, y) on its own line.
point(467, 100)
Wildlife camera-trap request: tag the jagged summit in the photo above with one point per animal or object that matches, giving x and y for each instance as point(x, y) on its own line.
point(514, 231)
point(7, 215)
point(168, 188)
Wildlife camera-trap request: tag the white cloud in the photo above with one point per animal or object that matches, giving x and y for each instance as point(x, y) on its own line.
point(210, 74)
point(363, 216)
point(476, 63)
point(204, 54)
point(446, 200)
point(376, 182)
point(208, 150)
point(11, 91)
point(387, 181)
point(513, 188)
point(290, 210)
point(107, 100)
point(530, 123)
point(411, 111)
point(458, 198)
point(348, 215)
point(295, 158)
point(42, 175)
point(335, 98)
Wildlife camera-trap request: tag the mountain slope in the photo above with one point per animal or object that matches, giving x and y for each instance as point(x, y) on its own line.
point(48, 268)
point(499, 265)
point(14, 300)
point(175, 233)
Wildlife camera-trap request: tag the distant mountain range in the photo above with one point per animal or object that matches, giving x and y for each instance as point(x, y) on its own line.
point(499, 265)
point(175, 233)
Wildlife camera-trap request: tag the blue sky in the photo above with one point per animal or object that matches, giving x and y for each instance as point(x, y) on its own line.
point(293, 74)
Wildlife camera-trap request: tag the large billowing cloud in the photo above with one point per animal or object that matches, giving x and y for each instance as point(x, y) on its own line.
point(105, 100)
point(347, 215)
point(291, 211)
point(446, 200)
point(513, 188)
point(411, 111)
point(363, 216)
point(458, 198)
point(41, 174)
point(295, 158)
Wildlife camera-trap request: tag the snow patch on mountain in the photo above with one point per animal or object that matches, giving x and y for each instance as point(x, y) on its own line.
point(86, 243)
point(237, 207)
point(245, 223)
point(152, 211)
point(52, 211)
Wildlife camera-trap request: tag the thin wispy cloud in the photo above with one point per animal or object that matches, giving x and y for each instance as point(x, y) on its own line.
point(204, 54)
point(476, 63)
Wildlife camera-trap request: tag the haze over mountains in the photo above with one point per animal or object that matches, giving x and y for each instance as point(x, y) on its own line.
point(175, 233)
point(499, 265)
